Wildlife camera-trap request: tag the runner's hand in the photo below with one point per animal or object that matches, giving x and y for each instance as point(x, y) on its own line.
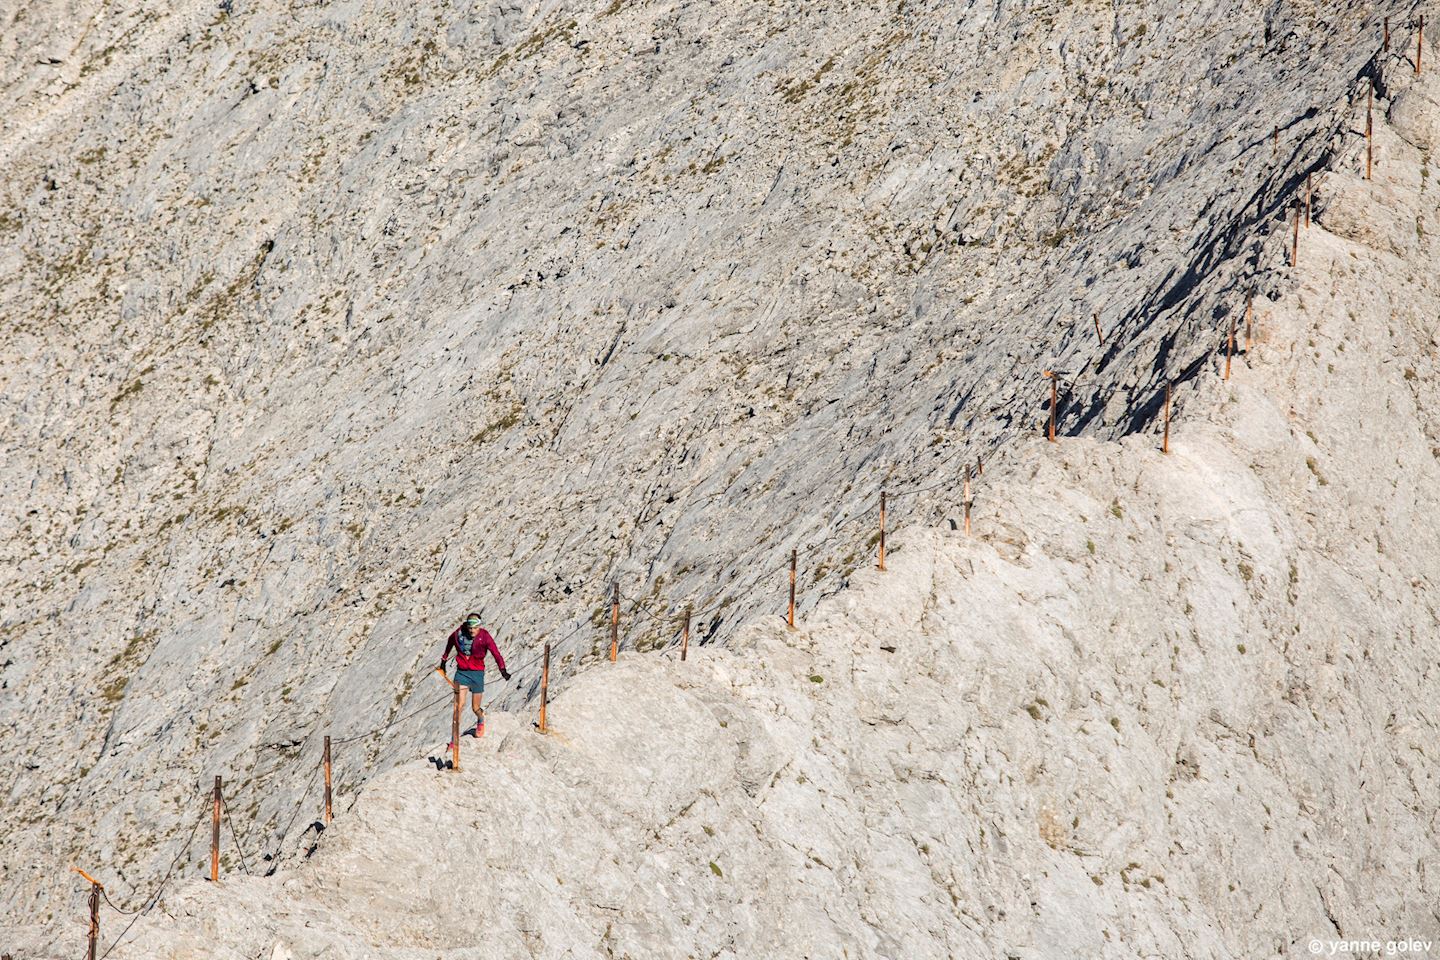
point(505, 673)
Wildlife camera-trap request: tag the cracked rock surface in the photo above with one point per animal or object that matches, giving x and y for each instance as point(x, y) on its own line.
point(1174, 706)
point(324, 324)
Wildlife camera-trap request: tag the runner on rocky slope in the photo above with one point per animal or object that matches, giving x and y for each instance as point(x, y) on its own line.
point(471, 642)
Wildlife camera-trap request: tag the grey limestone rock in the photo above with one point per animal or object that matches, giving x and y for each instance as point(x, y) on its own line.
point(324, 323)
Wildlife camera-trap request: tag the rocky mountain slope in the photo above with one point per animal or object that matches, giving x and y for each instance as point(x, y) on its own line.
point(325, 323)
point(1174, 706)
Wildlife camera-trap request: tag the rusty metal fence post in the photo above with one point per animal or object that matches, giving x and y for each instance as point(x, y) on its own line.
point(965, 501)
point(615, 622)
point(1249, 313)
point(685, 636)
point(215, 833)
point(94, 938)
point(544, 686)
point(329, 812)
point(881, 564)
point(1054, 400)
point(790, 617)
point(1165, 441)
point(455, 728)
point(1229, 346)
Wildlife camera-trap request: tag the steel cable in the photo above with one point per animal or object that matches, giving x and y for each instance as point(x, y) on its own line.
point(235, 837)
point(554, 647)
point(106, 897)
point(390, 723)
point(299, 805)
point(154, 898)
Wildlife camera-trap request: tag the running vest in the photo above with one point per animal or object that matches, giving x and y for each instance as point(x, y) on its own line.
point(466, 645)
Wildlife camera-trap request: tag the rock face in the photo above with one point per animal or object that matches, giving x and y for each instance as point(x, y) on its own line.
point(1156, 705)
point(325, 324)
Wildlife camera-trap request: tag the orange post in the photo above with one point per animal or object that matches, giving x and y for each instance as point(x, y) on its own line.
point(965, 501)
point(1098, 332)
point(95, 888)
point(1229, 346)
point(979, 467)
point(455, 728)
point(93, 940)
point(1275, 142)
point(1165, 442)
point(881, 564)
point(790, 617)
point(1369, 131)
point(88, 879)
point(1249, 312)
point(215, 834)
point(615, 623)
point(545, 686)
point(685, 636)
point(329, 813)
point(1054, 401)
point(1387, 34)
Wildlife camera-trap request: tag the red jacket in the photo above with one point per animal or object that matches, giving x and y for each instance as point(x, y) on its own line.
point(479, 646)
